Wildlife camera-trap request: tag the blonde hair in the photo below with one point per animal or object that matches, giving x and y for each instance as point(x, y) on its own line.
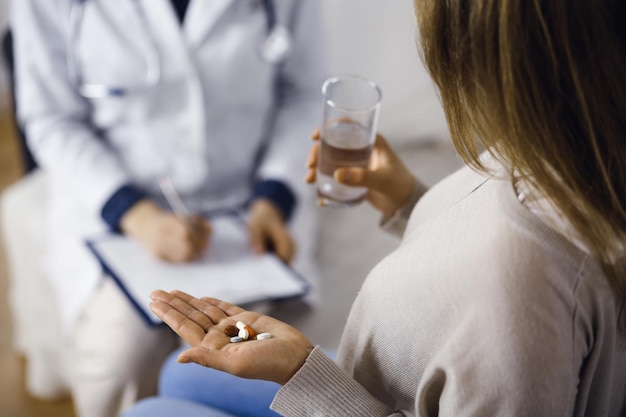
point(542, 84)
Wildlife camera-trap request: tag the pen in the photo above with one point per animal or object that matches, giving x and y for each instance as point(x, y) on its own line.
point(177, 205)
point(173, 199)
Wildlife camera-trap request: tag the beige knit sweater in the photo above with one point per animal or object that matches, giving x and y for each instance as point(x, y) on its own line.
point(483, 310)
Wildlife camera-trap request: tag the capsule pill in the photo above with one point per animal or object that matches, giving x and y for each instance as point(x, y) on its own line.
point(240, 325)
point(251, 333)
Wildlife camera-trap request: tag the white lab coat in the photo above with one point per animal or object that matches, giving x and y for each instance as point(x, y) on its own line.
point(217, 105)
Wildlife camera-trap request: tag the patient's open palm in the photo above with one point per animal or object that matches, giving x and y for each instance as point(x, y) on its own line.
point(203, 322)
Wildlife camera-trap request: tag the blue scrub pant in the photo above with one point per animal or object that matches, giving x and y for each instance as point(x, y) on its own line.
point(192, 390)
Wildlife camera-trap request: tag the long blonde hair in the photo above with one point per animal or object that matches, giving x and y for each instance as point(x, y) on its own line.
point(543, 84)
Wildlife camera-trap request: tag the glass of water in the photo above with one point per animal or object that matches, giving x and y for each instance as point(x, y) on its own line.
point(351, 110)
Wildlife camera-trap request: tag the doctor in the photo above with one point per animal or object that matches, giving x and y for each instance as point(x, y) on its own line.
point(117, 95)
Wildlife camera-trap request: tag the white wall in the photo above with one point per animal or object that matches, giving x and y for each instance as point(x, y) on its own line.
point(377, 39)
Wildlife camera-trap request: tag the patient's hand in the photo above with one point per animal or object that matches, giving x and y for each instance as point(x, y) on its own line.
point(388, 181)
point(202, 324)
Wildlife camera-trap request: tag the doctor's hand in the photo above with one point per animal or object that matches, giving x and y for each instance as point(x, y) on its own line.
point(202, 323)
point(164, 234)
point(388, 181)
point(268, 231)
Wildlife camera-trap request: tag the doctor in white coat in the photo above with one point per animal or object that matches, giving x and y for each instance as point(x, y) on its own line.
point(115, 95)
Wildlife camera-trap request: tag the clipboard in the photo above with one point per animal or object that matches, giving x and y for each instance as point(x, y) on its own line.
point(229, 270)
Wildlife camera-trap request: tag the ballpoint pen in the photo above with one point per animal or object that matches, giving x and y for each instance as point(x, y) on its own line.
point(176, 203)
point(173, 199)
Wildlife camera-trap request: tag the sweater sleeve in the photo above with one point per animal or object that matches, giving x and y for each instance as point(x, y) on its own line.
point(322, 388)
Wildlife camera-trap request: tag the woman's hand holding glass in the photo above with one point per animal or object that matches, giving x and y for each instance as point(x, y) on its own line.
point(164, 234)
point(387, 179)
point(202, 323)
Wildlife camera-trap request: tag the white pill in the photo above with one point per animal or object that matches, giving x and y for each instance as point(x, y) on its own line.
point(244, 334)
point(240, 325)
point(236, 339)
point(263, 336)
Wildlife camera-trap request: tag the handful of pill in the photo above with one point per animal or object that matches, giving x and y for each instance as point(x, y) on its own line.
point(241, 332)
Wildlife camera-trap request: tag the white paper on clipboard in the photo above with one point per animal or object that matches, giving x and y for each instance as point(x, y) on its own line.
point(229, 270)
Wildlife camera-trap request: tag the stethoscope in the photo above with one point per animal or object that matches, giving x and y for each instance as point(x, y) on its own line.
point(273, 49)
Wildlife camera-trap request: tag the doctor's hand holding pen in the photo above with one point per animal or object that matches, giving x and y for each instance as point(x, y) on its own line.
point(266, 225)
point(166, 234)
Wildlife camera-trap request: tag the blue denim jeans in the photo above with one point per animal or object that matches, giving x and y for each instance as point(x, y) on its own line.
point(192, 390)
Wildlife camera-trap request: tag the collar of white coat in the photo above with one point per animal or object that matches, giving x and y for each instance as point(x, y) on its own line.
point(200, 18)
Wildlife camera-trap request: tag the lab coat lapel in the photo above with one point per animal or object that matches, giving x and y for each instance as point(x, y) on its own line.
point(165, 29)
point(201, 17)
point(176, 58)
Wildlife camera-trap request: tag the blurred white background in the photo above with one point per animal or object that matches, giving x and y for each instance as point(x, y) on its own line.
point(372, 38)
point(377, 40)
